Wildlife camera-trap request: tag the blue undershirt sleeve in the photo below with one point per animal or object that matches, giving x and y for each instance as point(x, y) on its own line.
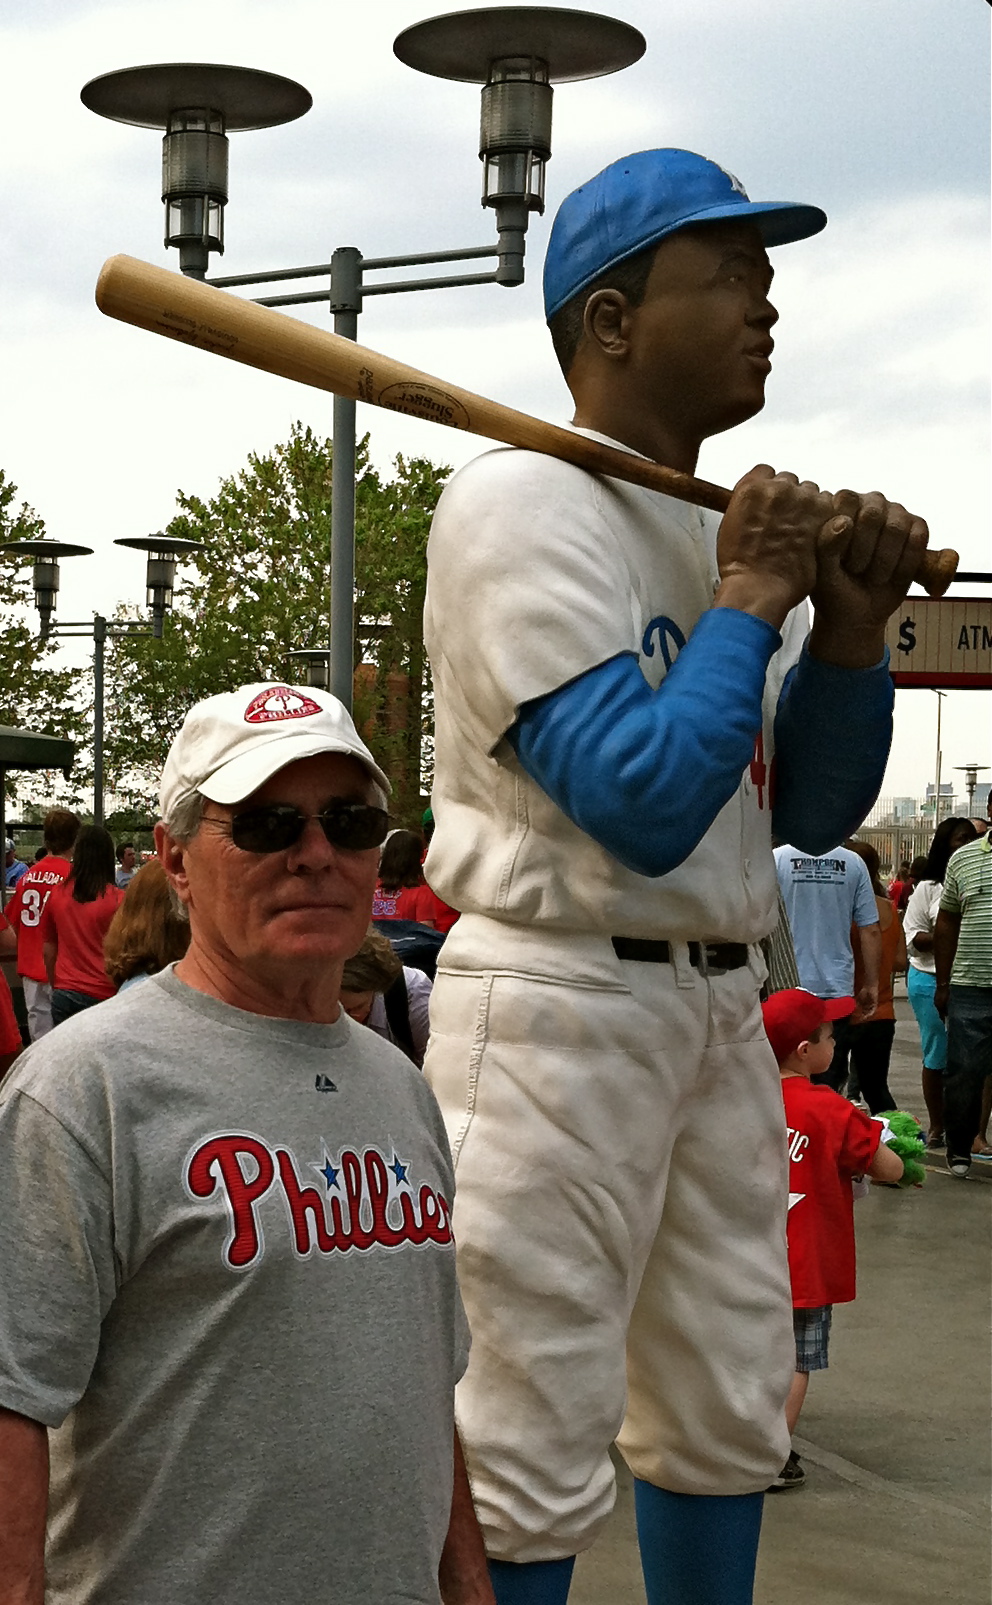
point(644, 772)
point(833, 729)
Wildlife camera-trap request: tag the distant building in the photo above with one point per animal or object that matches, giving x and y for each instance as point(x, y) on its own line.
point(947, 798)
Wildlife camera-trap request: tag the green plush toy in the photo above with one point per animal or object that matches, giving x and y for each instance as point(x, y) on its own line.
point(903, 1134)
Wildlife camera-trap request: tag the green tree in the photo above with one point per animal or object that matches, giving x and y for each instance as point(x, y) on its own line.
point(33, 694)
point(259, 588)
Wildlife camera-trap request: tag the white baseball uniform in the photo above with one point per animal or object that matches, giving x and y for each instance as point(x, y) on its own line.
point(616, 1126)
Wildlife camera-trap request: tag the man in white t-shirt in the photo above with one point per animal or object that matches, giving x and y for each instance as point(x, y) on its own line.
point(619, 690)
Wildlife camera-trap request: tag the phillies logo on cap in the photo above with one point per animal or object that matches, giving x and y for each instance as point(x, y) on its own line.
point(279, 702)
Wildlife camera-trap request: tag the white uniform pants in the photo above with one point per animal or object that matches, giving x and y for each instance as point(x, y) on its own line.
point(622, 1186)
point(38, 1003)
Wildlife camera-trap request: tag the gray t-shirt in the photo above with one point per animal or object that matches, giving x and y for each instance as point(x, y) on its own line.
point(227, 1280)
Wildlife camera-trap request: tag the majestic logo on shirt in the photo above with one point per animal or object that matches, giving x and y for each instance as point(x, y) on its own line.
point(366, 1202)
point(279, 702)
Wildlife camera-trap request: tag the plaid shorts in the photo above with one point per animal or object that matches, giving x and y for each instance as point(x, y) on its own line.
point(812, 1330)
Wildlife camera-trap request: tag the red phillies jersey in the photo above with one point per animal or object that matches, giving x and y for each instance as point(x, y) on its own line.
point(414, 903)
point(25, 909)
point(10, 1031)
point(421, 904)
point(79, 930)
point(829, 1142)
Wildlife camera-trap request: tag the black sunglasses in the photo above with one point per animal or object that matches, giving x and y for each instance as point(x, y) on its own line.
point(351, 826)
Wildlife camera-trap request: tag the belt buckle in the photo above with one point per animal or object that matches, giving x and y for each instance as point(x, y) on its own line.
point(705, 966)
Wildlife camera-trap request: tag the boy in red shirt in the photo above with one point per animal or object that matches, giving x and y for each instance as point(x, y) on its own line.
point(830, 1142)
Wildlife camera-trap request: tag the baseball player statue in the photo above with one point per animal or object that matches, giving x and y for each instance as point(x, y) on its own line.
point(628, 697)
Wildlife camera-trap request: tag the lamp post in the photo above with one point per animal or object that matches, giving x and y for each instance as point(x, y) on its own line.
point(164, 552)
point(515, 52)
point(940, 695)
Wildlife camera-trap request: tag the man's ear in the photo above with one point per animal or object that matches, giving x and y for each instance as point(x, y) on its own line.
point(172, 856)
point(606, 322)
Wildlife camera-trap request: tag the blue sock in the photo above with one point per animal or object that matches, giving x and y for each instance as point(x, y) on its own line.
point(536, 1582)
point(697, 1549)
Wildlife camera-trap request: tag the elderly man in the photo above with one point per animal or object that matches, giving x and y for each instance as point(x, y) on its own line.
point(227, 1279)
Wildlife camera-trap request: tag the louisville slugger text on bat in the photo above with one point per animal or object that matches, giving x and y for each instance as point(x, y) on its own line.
point(185, 309)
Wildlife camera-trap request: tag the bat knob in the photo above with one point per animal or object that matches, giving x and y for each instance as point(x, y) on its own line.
point(937, 570)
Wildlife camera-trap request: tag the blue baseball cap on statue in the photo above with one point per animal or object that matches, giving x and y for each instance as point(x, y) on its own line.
point(640, 199)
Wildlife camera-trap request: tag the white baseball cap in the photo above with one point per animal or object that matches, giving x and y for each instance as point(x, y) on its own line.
point(231, 744)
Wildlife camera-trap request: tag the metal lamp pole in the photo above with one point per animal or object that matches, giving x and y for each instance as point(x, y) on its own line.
point(940, 695)
point(164, 553)
point(515, 52)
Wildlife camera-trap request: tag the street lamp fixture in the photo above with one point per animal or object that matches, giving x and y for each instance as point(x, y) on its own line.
point(315, 662)
point(46, 556)
point(196, 104)
point(970, 772)
point(515, 52)
point(164, 552)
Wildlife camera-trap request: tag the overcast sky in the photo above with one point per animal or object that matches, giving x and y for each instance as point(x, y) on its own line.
point(877, 110)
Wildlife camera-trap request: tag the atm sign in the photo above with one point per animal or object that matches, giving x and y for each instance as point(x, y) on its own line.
point(942, 643)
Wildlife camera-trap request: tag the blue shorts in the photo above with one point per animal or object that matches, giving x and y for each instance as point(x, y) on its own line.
point(812, 1330)
point(920, 986)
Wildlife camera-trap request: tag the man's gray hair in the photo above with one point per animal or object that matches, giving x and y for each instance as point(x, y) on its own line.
point(184, 819)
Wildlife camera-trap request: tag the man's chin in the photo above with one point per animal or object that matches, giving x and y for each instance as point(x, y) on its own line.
point(745, 408)
point(298, 937)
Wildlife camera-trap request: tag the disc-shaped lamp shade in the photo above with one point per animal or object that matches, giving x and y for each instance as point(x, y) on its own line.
point(196, 103)
point(573, 44)
point(517, 53)
point(46, 556)
point(164, 552)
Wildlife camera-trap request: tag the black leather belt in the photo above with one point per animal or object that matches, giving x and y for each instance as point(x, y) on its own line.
point(719, 955)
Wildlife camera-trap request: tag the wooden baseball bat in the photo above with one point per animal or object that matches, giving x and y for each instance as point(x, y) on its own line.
point(186, 309)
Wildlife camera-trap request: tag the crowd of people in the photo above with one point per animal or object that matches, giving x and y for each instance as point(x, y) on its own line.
point(231, 1326)
point(81, 939)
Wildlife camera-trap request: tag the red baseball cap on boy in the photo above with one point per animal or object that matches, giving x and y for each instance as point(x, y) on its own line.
point(791, 1017)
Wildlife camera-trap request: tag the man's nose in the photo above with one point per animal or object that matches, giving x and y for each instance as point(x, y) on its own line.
point(313, 850)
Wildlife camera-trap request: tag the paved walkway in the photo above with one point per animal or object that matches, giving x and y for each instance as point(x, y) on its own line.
point(895, 1435)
